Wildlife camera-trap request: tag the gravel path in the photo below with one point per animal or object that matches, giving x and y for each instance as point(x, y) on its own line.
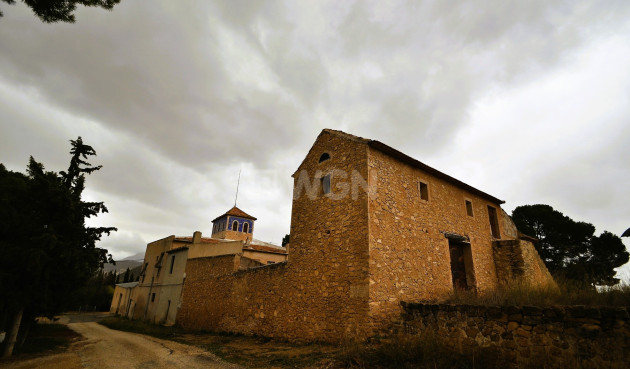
point(106, 348)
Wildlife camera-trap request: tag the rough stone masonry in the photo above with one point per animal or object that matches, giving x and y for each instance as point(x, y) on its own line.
point(370, 227)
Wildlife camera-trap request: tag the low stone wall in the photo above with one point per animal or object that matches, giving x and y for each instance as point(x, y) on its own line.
point(525, 336)
point(275, 300)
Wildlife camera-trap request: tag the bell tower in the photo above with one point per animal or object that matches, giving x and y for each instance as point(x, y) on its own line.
point(235, 224)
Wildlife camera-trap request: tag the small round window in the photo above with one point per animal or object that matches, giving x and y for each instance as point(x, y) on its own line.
point(324, 157)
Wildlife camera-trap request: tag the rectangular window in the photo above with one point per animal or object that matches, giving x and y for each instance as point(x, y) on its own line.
point(469, 209)
point(159, 264)
point(172, 264)
point(326, 184)
point(494, 222)
point(144, 272)
point(424, 191)
point(153, 297)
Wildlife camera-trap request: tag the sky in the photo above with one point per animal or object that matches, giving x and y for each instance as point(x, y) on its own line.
point(527, 101)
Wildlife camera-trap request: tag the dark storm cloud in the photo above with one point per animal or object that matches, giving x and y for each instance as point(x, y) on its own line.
point(159, 79)
point(176, 97)
point(156, 79)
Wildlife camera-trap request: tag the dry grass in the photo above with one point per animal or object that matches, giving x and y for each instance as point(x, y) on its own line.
point(425, 350)
point(251, 352)
point(565, 293)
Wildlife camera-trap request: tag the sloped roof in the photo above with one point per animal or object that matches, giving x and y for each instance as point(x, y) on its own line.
point(264, 248)
point(388, 150)
point(203, 240)
point(235, 212)
point(127, 285)
point(256, 245)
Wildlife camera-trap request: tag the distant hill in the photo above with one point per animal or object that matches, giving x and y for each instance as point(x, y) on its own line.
point(137, 257)
point(130, 262)
point(122, 265)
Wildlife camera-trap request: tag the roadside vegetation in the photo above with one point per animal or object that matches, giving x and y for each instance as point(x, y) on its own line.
point(251, 352)
point(567, 292)
point(43, 339)
point(406, 351)
point(426, 350)
point(48, 252)
point(138, 326)
point(402, 351)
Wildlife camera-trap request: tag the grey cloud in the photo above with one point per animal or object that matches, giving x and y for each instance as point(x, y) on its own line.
point(121, 243)
point(144, 85)
point(191, 92)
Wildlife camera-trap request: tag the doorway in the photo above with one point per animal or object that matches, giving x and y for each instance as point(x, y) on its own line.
point(461, 265)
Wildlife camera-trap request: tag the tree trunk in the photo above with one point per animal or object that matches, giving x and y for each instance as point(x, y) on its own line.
point(26, 328)
point(15, 327)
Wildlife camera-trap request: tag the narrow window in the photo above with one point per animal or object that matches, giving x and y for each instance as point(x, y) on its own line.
point(246, 228)
point(424, 191)
point(144, 271)
point(494, 222)
point(326, 184)
point(153, 297)
point(324, 157)
point(172, 264)
point(469, 209)
point(159, 264)
point(235, 226)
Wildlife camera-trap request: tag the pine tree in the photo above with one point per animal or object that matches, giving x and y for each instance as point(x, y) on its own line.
point(570, 248)
point(47, 252)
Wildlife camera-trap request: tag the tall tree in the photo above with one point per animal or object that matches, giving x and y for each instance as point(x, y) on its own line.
point(47, 252)
point(51, 11)
point(570, 248)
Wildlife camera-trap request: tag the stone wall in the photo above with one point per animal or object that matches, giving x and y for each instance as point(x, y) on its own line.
point(517, 261)
point(409, 253)
point(355, 252)
point(508, 227)
point(550, 337)
point(536, 271)
point(321, 293)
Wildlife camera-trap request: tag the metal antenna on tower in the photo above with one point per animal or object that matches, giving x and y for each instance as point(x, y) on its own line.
point(237, 184)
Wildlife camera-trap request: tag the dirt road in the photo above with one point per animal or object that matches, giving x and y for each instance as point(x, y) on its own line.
point(107, 348)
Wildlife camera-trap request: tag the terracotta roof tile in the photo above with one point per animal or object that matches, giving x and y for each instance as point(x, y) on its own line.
point(276, 250)
point(235, 212)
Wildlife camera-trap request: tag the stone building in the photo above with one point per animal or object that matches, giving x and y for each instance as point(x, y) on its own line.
point(156, 296)
point(370, 227)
